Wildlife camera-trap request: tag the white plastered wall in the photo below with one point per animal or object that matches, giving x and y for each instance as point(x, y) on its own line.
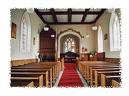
point(83, 29)
point(36, 25)
point(104, 23)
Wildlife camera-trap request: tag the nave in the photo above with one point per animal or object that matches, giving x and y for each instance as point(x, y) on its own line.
point(65, 47)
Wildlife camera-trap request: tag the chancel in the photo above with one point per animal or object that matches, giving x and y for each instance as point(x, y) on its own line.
point(65, 47)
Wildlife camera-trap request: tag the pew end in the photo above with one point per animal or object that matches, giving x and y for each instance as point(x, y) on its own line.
point(115, 83)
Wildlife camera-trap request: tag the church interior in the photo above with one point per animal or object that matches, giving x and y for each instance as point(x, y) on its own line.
point(65, 47)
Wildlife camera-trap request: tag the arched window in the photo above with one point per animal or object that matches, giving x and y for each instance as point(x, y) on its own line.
point(114, 30)
point(69, 45)
point(25, 40)
point(100, 39)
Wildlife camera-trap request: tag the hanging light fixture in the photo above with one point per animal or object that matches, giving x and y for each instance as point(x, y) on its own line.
point(46, 28)
point(52, 35)
point(30, 10)
point(111, 10)
point(94, 28)
point(87, 35)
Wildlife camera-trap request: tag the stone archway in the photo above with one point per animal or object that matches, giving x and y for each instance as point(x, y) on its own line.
point(67, 32)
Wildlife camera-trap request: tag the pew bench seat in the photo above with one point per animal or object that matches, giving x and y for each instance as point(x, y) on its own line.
point(27, 81)
point(106, 80)
point(47, 80)
point(96, 81)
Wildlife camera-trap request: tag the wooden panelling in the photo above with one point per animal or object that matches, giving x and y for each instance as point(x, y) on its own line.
point(101, 56)
point(84, 57)
point(22, 62)
point(47, 43)
point(113, 60)
point(47, 52)
point(95, 57)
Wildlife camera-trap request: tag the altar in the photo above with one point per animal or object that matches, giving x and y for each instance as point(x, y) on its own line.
point(69, 57)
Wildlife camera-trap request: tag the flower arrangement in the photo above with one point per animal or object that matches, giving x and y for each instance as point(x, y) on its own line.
point(92, 53)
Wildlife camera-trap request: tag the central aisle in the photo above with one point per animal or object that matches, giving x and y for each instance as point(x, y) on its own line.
point(70, 77)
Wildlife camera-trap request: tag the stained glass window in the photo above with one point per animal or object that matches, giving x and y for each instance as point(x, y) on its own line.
point(69, 44)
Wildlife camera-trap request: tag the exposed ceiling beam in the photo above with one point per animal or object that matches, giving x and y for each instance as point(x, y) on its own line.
point(53, 14)
point(69, 12)
point(69, 15)
point(100, 13)
point(38, 13)
point(73, 13)
point(60, 23)
point(85, 14)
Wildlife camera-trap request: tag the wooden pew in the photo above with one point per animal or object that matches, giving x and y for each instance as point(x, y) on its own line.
point(31, 84)
point(106, 79)
point(62, 64)
point(27, 81)
point(87, 69)
point(56, 69)
point(35, 72)
point(94, 73)
point(93, 68)
point(97, 79)
point(90, 73)
point(58, 65)
point(34, 67)
point(84, 66)
point(42, 65)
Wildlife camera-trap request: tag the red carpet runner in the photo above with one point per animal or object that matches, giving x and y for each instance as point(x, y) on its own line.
point(70, 77)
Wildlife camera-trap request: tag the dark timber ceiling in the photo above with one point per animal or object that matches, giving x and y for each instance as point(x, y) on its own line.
point(69, 16)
